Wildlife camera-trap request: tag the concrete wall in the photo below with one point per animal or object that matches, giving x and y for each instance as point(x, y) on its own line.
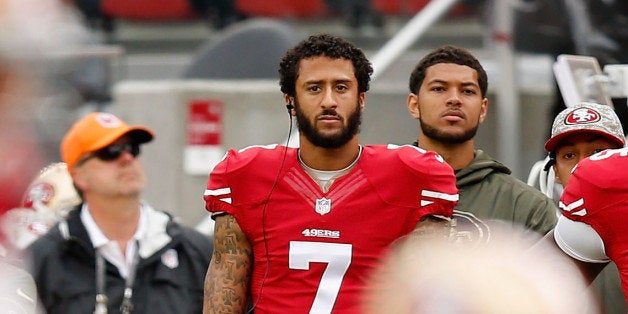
point(255, 114)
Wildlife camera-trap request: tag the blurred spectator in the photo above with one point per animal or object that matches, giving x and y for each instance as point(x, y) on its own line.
point(26, 50)
point(501, 276)
point(30, 31)
point(18, 294)
point(47, 200)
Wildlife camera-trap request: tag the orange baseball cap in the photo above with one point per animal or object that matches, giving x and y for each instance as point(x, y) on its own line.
point(95, 131)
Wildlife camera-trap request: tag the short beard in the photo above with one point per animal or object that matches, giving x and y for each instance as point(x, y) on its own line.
point(447, 138)
point(333, 141)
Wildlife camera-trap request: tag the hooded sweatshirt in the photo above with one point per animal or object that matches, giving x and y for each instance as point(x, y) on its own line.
point(489, 192)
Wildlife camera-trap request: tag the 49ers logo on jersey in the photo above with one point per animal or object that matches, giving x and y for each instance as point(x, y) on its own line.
point(323, 206)
point(321, 233)
point(470, 231)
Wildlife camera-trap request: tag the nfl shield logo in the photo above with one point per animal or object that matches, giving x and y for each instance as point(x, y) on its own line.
point(170, 258)
point(323, 206)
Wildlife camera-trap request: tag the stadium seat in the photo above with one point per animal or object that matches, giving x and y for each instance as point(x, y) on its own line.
point(148, 9)
point(408, 7)
point(250, 49)
point(282, 8)
point(395, 7)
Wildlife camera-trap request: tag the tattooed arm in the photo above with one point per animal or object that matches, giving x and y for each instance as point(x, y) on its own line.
point(433, 227)
point(229, 272)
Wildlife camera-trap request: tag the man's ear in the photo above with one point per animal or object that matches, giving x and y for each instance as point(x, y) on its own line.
point(484, 110)
point(289, 104)
point(361, 100)
point(413, 105)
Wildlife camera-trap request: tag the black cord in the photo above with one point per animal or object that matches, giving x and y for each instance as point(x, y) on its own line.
point(283, 160)
point(550, 162)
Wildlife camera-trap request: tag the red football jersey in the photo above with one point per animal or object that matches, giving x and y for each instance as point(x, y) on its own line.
point(320, 247)
point(597, 194)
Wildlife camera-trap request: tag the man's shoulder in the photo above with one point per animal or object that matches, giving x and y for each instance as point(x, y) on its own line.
point(257, 157)
point(407, 155)
point(519, 185)
point(516, 185)
point(259, 152)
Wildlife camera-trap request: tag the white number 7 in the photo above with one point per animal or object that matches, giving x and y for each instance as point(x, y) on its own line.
point(338, 258)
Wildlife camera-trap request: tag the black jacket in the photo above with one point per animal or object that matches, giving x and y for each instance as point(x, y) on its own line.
point(63, 266)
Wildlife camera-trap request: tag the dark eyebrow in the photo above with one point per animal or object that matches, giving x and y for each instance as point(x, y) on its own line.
point(440, 81)
point(321, 81)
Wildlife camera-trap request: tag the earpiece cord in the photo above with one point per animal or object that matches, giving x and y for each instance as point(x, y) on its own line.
point(285, 152)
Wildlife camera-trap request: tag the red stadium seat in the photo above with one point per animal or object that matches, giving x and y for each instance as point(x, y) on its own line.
point(148, 9)
point(396, 7)
point(409, 7)
point(282, 8)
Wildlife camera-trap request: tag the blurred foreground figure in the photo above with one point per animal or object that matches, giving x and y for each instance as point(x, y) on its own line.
point(46, 201)
point(27, 48)
point(30, 30)
point(502, 276)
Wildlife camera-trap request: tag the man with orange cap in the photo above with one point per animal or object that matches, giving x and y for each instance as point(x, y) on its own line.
point(114, 252)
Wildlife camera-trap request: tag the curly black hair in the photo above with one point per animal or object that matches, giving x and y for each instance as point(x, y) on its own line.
point(323, 45)
point(447, 54)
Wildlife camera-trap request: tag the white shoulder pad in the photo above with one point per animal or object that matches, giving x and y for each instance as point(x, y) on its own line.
point(580, 241)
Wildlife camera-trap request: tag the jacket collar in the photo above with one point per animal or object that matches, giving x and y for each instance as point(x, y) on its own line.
point(156, 235)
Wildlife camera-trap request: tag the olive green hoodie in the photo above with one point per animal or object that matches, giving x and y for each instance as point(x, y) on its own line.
point(489, 192)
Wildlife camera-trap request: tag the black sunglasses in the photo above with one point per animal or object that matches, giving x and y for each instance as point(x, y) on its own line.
point(113, 152)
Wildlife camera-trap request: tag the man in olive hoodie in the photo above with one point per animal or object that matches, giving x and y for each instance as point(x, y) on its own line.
point(448, 96)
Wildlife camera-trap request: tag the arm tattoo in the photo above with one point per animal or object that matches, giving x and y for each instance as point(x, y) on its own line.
point(229, 272)
point(433, 228)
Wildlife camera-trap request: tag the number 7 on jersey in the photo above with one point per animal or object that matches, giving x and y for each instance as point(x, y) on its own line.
point(338, 258)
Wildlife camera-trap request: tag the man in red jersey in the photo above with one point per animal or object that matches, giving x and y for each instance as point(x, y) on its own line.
point(594, 207)
point(298, 230)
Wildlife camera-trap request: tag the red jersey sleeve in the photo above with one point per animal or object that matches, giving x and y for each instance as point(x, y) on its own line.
point(597, 194)
point(422, 178)
point(258, 162)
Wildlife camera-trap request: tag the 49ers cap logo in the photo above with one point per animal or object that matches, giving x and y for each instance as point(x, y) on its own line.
point(582, 116)
point(109, 121)
point(586, 117)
